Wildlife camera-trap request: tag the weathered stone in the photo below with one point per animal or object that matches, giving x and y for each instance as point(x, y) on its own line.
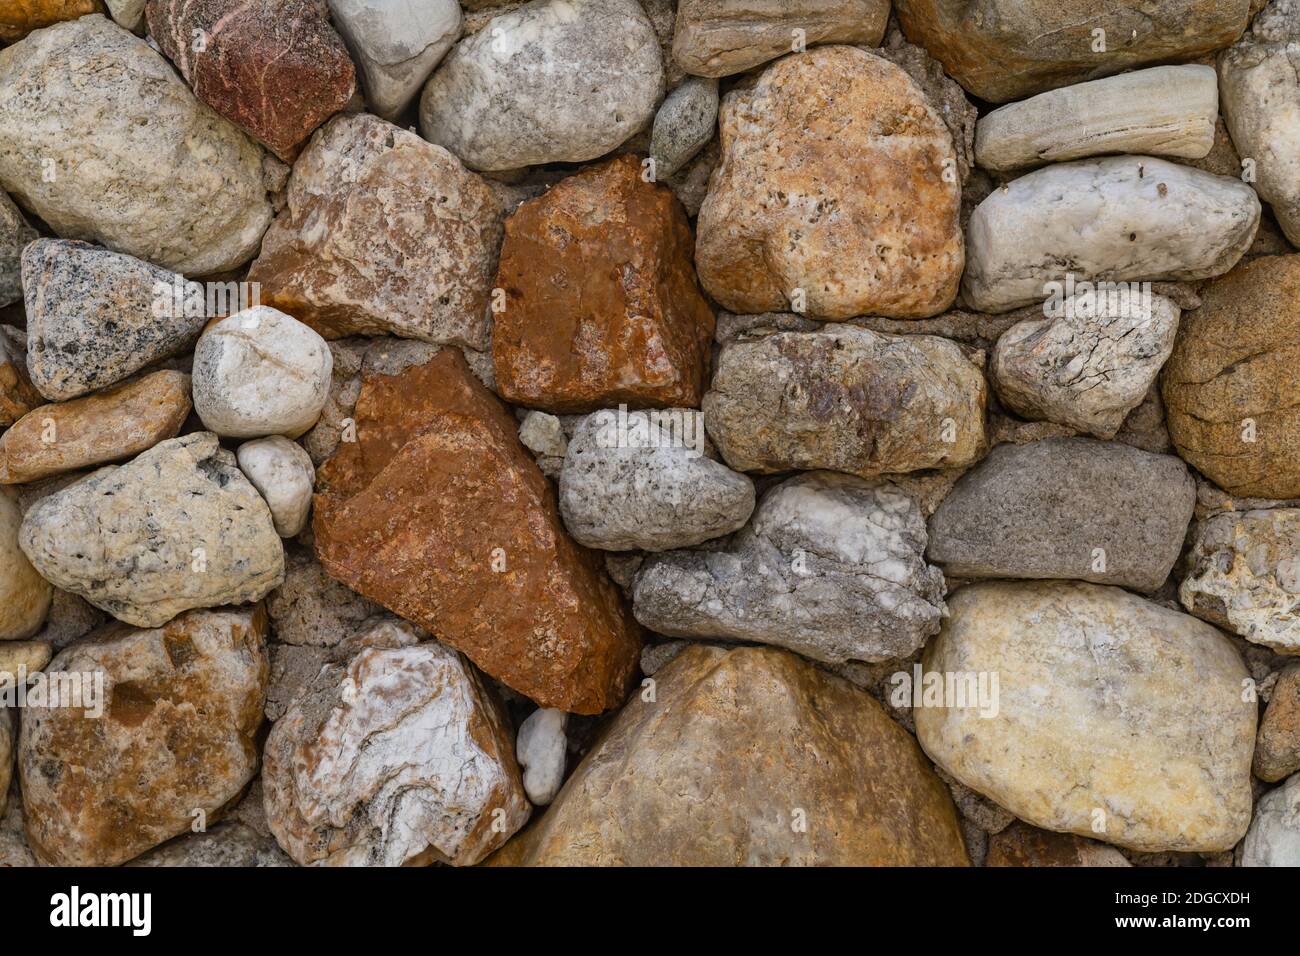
point(21, 17)
point(1087, 365)
point(384, 233)
point(1023, 845)
point(138, 163)
point(1004, 50)
point(1115, 718)
point(226, 844)
point(128, 14)
point(311, 608)
point(554, 81)
point(438, 513)
point(103, 537)
point(846, 399)
point(1277, 748)
point(17, 657)
point(543, 435)
point(1163, 111)
point(283, 475)
point(17, 394)
point(830, 566)
point(274, 68)
point(260, 372)
point(15, 233)
point(6, 754)
point(1066, 508)
point(601, 304)
point(396, 44)
point(108, 426)
point(400, 756)
point(24, 594)
point(838, 192)
point(645, 481)
point(685, 122)
point(14, 851)
point(1244, 576)
point(1116, 219)
point(1229, 387)
point(722, 37)
point(1274, 835)
point(1261, 105)
point(698, 778)
point(540, 747)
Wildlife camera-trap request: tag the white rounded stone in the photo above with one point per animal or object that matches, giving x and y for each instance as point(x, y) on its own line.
point(282, 473)
point(540, 749)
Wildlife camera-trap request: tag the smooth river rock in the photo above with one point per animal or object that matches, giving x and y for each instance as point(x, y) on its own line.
point(24, 594)
point(685, 123)
point(541, 747)
point(1274, 835)
point(283, 475)
point(1116, 719)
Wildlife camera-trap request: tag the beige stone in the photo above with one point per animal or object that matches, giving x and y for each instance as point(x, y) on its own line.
point(24, 594)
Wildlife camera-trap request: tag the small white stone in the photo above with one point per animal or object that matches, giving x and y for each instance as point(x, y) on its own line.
point(543, 434)
point(1274, 835)
point(261, 372)
point(282, 473)
point(540, 749)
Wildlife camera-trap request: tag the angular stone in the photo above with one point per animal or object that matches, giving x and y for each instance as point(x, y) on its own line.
point(1116, 719)
point(21, 17)
point(108, 426)
point(95, 317)
point(645, 481)
point(540, 747)
point(1277, 748)
point(398, 757)
point(601, 303)
point(555, 81)
point(1023, 845)
point(722, 37)
point(831, 566)
point(384, 233)
point(311, 608)
point(17, 394)
point(283, 475)
point(1089, 364)
point(1244, 576)
point(226, 844)
point(15, 233)
point(1229, 387)
point(1116, 219)
point(396, 44)
point(438, 513)
point(181, 707)
point(698, 778)
point(1261, 104)
point(24, 594)
point(260, 372)
point(1004, 50)
point(178, 527)
point(1274, 835)
point(274, 68)
point(1066, 508)
point(838, 179)
point(846, 399)
point(1163, 111)
point(138, 163)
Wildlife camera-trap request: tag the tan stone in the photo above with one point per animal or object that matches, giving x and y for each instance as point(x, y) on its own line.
point(1277, 748)
point(17, 394)
point(18, 657)
point(24, 594)
point(20, 17)
point(1023, 845)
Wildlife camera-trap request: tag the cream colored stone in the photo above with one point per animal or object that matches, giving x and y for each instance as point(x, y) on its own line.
point(283, 474)
point(24, 594)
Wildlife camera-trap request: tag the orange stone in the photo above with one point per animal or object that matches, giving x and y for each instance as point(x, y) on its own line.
point(20, 17)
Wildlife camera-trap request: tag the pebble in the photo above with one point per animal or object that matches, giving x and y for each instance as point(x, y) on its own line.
point(540, 748)
point(283, 475)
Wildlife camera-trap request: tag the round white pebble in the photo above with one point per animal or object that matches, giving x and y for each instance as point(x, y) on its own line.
point(282, 473)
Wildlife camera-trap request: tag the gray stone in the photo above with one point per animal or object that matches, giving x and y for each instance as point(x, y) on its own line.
point(645, 480)
point(15, 233)
point(830, 566)
point(1274, 835)
point(686, 121)
point(554, 81)
point(1066, 508)
point(311, 608)
point(540, 748)
point(226, 844)
point(128, 14)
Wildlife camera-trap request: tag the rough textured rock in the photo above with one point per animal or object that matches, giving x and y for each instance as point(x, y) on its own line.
point(438, 513)
point(697, 778)
point(15, 233)
point(1023, 845)
point(838, 193)
point(24, 594)
point(1277, 748)
point(101, 537)
point(831, 566)
point(400, 756)
point(283, 475)
point(182, 705)
point(1244, 576)
point(601, 305)
point(1229, 386)
point(645, 481)
point(30, 656)
point(260, 372)
point(846, 399)
point(1274, 836)
point(102, 140)
point(722, 37)
point(1066, 508)
point(384, 233)
point(95, 317)
point(540, 747)
point(311, 608)
point(543, 435)
point(396, 45)
point(1004, 50)
point(21, 17)
point(17, 394)
point(554, 81)
point(1261, 90)
point(226, 844)
point(1116, 719)
point(685, 122)
point(1088, 366)
point(1116, 219)
point(1163, 111)
point(108, 426)
point(274, 68)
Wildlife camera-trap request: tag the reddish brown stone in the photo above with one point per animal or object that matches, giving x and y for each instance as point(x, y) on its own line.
point(17, 394)
point(602, 305)
point(274, 68)
point(1023, 845)
point(437, 512)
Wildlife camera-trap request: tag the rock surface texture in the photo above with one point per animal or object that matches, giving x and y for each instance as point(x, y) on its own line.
point(24, 594)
